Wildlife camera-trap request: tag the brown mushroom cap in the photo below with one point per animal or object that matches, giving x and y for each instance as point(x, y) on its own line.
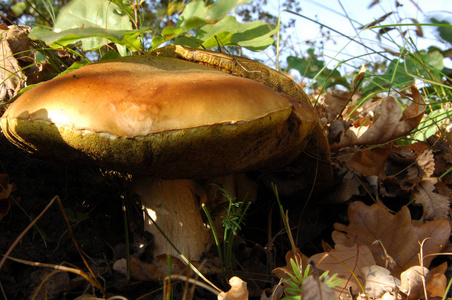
point(159, 116)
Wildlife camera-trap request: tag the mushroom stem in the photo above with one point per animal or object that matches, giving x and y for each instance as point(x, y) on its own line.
point(173, 205)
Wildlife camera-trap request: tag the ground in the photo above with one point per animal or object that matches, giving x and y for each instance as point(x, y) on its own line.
point(93, 202)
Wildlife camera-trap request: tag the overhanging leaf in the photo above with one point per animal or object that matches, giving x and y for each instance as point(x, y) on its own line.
point(197, 13)
point(92, 22)
point(255, 36)
point(128, 38)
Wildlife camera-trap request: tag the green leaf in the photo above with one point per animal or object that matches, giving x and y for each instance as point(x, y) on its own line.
point(197, 13)
point(313, 68)
point(110, 55)
point(434, 59)
point(171, 32)
point(93, 23)
point(445, 32)
point(156, 41)
point(91, 37)
point(255, 36)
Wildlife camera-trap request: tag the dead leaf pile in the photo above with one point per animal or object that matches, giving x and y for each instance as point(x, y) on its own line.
point(394, 242)
point(378, 254)
point(389, 123)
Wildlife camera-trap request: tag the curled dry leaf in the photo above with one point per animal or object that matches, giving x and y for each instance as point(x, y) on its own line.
point(412, 282)
point(436, 206)
point(387, 124)
point(331, 105)
point(379, 281)
point(426, 163)
point(238, 290)
point(347, 262)
point(437, 281)
point(11, 75)
point(397, 233)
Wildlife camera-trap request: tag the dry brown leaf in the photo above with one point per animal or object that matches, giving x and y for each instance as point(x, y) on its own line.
point(426, 163)
point(379, 281)
point(388, 124)
point(397, 233)
point(333, 104)
point(11, 75)
point(435, 205)
point(412, 282)
point(437, 281)
point(443, 157)
point(238, 290)
point(315, 289)
point(347, 262)
point(370, 162)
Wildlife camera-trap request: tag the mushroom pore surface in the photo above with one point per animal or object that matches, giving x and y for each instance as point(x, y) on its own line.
point(159, 116)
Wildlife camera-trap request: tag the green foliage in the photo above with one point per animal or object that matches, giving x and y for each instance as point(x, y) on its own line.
point(296, 280)
point(92, 23)
point(315, 69)
point(400, 72)
point(232, 223)
point(225, 30)
point(445, 30)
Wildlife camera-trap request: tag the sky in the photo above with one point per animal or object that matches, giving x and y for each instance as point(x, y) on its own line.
point(333, 14)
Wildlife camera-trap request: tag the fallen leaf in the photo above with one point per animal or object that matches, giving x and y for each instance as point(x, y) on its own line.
point(333, 104)
point(238, 290)
point(379, 281)
point(437, 281)
point(411, 282)
point(347, 262)
point(426, 163)
point(435, 205)
point(370, 162)
point(314, 289)
point(397, 234)
point(299, 258)
point(388, 124)
point(11, 75)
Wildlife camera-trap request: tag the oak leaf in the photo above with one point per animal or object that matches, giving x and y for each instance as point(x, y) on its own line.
point(347, 262)
point(388, 124)
point(370, 162)
point(399, 236)
point(412, 282)
point(379, 281)
point(436, 281)
point(314, 289)
point(436, 206)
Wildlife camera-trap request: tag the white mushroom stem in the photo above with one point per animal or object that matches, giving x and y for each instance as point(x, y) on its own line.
point(173, 205)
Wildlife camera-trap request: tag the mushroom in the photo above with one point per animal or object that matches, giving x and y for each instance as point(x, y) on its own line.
point(166, 121)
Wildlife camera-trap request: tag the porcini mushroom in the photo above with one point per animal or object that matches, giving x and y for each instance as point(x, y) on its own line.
point(166, 119)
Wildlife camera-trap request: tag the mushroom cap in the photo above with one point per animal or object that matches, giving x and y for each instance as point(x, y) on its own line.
point(159, 116)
